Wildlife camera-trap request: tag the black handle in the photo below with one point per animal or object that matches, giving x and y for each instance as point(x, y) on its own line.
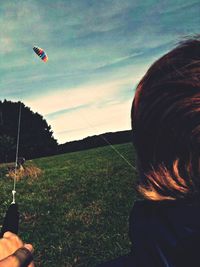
point(11, 220)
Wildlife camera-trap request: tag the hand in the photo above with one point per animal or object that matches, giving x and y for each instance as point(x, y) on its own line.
point(14, 253)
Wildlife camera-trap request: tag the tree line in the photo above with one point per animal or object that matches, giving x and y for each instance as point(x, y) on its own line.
point(97, 141)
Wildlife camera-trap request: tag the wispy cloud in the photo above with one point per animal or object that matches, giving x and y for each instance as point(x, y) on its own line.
point(92, 95)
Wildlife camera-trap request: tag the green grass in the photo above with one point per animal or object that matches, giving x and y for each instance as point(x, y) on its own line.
point(76, 213)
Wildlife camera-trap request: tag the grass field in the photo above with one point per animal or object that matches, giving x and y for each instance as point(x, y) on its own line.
point(76, 212)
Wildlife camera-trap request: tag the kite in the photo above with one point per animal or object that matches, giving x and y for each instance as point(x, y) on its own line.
point(41, 53)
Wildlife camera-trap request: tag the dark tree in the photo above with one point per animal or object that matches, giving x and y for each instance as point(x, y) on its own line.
point(36, 137)
point(6, 147)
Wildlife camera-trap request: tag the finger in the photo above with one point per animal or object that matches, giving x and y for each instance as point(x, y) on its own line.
point(11, 236)
point(10, 261)
point(8, 235)
point(24, 256)
point(13, 241)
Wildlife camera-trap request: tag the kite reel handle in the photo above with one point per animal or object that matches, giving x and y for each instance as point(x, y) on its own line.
point(11, 220)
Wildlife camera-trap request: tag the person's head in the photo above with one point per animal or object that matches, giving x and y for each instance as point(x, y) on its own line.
point(166, 125)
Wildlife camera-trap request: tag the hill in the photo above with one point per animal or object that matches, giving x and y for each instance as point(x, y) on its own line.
point(96, 141)
point(76, 212)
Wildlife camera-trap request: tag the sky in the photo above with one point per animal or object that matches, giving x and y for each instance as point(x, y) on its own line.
point(98, 51)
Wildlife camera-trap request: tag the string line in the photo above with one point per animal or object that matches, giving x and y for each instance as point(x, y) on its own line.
point(133, 167)
point(101, 136)
point(17, 152)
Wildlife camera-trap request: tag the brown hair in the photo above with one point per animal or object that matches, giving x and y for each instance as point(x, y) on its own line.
point(166, 125)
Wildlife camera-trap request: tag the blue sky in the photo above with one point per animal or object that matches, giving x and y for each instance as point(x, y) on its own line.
point(98, 51)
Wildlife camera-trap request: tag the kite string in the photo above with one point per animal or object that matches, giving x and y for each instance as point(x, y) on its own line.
point(133, 167)
point(17, 152)
point(101, 136)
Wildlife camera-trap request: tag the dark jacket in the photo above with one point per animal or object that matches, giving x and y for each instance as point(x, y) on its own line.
point(163, 234)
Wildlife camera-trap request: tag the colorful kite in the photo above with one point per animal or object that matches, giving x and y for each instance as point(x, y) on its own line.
point(40, 52)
